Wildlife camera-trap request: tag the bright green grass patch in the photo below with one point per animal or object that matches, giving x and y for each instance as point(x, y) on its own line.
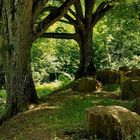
point(3, 94)
point(45, 89)
point(42, 90)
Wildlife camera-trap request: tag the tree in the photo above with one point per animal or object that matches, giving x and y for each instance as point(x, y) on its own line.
point(83, 21)
point(19, 32)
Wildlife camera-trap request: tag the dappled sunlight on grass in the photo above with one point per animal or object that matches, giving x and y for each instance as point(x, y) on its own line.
point(59, 112)
point(45, 89)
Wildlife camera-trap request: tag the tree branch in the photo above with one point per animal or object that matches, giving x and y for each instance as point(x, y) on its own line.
point(38, 6)
point(70, 19)
point(78, 19)
point(78, 8)
point(51, 19)
point(101, 6)
point(65, 21)
point(100, 12)
point(89, 5)
point(59, 35)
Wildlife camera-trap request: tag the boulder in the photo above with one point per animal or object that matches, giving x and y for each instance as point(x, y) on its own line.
point(134, 72)
point(87, 84)
point(137, 105)
point(108, 76)
point(112, 122)
point(131, 89)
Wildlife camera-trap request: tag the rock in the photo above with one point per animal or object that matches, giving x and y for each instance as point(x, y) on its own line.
point(108, 76)
point(134, 72)
point(112, 122)
point(131, 89)
point(137, 105)
point(87, 84)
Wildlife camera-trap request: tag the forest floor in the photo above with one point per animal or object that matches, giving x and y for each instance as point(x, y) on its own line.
point(58, 116)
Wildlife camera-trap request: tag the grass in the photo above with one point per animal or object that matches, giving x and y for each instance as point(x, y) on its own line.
point(112, 87)
point(3, 94)
point(45, 89)
point(64, 112)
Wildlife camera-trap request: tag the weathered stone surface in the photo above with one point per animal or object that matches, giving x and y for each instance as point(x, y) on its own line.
point(134, 72)
point(112, 122)
point(137, 105)
point(131, 89)
point(87, 84)
point(108, 76)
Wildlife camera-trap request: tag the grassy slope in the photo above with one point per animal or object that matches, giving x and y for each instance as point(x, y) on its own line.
point(57, 114)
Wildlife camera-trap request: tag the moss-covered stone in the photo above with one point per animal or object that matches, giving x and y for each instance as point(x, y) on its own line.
point(87, 84)
point(131, 89)
point(108, 76)
point(112, 122)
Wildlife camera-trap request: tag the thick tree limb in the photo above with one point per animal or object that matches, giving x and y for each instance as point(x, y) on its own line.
point(38, 6)
point(70, 19)
point(101, 6)
point(51, 19)
point(99, 14)
point(65, 21)
point(59, 35)
point(89, 5)
point(78, 9)
point(78, 19)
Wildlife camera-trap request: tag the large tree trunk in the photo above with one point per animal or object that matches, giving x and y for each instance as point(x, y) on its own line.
point(19, 83)
point(86, 67)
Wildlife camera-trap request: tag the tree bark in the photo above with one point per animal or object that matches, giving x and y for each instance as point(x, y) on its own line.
point(86, 67)
point(19, 83)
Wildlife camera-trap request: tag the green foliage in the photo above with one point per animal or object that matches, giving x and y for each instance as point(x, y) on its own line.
point(68, 56)
point(116, 39)
point(3, 94)
point(65, 79)
point(54, 56)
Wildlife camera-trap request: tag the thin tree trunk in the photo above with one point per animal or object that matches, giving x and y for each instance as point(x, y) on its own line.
point(19, 83)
